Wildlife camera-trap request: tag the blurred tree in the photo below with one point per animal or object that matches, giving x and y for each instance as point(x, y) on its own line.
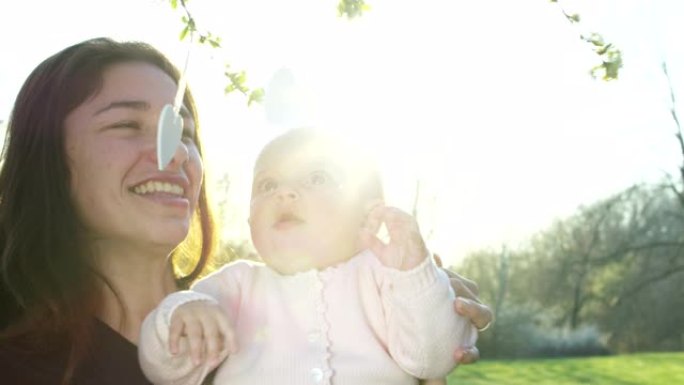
point(569, 254)
point(492, 270)
point(616, 265)
point(607, 260)
point(643, 304)
point(677, 186)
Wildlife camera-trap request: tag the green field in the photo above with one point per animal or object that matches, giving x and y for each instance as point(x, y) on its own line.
point(642, 369)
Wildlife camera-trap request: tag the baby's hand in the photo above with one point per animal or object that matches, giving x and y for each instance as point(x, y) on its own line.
point(405, 249)
point(204, 324)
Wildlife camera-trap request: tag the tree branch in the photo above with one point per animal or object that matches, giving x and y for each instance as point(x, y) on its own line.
point(678, 134)
point(649, 281)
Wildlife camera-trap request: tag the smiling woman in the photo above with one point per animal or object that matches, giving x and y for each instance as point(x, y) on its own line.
point(89, 227)
point(111, 145)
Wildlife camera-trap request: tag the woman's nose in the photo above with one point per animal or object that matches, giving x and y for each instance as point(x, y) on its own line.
point(180, 156)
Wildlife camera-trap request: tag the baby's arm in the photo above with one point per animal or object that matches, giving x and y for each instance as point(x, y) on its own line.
point(189, 333)
point(423, 331)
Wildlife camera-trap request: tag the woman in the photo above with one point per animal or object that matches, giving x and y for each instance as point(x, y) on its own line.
point(92, 235)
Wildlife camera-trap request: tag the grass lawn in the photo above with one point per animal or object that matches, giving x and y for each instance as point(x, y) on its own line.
point(633, 369)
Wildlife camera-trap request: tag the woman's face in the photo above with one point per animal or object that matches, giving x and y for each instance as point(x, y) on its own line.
point(121, 197)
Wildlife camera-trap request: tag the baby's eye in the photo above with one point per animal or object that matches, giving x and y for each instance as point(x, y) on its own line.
point(267, 186)
point(320, 178)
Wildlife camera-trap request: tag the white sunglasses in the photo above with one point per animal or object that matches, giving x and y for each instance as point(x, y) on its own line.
point(170, 125)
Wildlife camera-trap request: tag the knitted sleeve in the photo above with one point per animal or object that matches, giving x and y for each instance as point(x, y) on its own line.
point(423, 330)
point(156, 361)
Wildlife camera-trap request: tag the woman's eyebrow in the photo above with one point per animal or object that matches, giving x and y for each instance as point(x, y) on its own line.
point(131, 104)
point(137, 105)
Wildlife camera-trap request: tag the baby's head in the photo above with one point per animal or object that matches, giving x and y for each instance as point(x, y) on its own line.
point(311, 194)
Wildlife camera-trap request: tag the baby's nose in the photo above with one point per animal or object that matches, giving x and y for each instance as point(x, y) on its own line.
point(285, 191)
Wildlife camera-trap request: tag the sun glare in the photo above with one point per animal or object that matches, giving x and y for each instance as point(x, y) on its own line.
point(481, 115)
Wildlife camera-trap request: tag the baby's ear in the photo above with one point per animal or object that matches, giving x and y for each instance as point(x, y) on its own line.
point(372, 222)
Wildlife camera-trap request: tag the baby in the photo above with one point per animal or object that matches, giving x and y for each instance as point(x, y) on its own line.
point(331, 304)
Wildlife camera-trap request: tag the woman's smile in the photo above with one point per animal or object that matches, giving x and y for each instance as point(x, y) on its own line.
point(169, 191)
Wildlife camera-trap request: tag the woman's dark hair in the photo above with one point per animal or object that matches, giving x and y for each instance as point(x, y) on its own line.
point(47, 286)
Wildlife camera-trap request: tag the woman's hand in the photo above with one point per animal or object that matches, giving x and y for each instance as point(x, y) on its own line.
point(469, 306)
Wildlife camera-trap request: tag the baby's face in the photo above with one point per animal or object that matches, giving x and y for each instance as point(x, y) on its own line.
point(304, 211)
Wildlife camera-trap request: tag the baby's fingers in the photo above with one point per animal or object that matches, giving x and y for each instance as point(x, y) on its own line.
point(375, 218)
point(194, 334)
point(175, 332)
point(215, 341)
point(398, 222)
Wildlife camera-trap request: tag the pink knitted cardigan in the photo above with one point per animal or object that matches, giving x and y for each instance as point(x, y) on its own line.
point(352, 324)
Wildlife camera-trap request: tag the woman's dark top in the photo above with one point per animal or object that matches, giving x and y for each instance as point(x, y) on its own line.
point(113, 360)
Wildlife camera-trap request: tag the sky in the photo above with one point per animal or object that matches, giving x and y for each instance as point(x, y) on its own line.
point(486, 104)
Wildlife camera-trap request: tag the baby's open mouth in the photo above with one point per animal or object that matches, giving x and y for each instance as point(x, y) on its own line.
point(288, 219)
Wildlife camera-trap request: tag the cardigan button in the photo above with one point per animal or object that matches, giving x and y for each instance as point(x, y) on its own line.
point(313, 337)
point(317, 374)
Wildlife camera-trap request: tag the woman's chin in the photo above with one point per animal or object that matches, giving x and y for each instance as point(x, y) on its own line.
point(169, 236)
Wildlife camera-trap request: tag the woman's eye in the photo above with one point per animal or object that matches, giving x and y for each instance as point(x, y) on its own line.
point(188, 136)
point(126, 124)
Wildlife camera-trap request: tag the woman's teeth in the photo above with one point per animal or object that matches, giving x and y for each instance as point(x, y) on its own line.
point(155, 186)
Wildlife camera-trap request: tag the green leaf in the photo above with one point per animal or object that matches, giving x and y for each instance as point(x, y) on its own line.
point(174, 4)
point(607, 70)
point(612, 69)
point(351, 8)
point(214, 43)
point(594, 39)
point(604, 49)
point(256, 96)
point(340, 8)
point(184, 32)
